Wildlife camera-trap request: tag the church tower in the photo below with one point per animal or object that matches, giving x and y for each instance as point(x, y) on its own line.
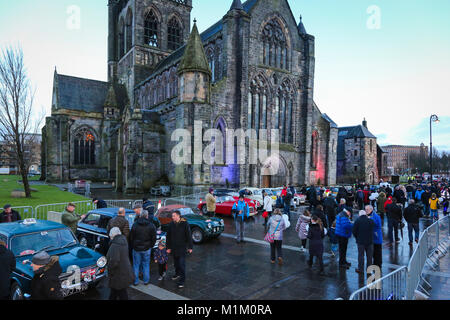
point(141, 34)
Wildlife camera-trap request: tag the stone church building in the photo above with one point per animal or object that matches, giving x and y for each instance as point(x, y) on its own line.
point(253, 69)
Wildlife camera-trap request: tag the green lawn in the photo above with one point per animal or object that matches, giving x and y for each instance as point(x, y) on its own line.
point(44, 194)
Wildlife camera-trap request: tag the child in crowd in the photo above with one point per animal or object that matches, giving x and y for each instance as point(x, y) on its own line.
point(302, 228)
point(161, 258)
point(333, 239)
point(434, 203)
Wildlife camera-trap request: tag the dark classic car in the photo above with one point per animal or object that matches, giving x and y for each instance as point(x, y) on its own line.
point(82, 267)
point(201, 227)
point(92, 231)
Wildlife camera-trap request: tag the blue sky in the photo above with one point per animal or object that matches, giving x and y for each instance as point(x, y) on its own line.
point(395, 76)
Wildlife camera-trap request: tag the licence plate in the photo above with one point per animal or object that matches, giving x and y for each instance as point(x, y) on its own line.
point(82, 287)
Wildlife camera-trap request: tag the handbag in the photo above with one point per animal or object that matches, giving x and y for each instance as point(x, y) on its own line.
point(265, 214)
point(271, 237)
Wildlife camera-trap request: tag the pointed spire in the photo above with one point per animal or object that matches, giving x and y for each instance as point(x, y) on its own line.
point(194, 58)
point(301, 27)
point(236, 5)
point(111, 99)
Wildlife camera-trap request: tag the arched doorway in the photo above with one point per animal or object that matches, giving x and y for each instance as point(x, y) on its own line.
point(273, 172)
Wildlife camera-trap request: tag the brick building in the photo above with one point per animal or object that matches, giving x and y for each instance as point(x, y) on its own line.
point(253, 69)
point(398, 159)
point(32, 154)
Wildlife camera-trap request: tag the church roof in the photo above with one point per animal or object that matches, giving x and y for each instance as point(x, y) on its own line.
point(80, 94)
point(328, 119)
point(194, 57)
point(87, 95)
point(350, 133)
point(301, 27)
point(236, 5)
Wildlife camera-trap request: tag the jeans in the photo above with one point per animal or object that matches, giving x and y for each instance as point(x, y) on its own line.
point(434, 213)
point(287, 210)
point(411, 227)
point(392, 229)
point(410, 195)
point(378, 255)
point(343, 243)
point(368, 251)
point(141, 259)
point(121, 294)
point(276, 250)
point(426, 209)
point(240, 228)
point(180, 268)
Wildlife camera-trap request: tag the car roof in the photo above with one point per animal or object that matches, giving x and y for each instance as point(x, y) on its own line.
point(17, 228)
point(111, 212)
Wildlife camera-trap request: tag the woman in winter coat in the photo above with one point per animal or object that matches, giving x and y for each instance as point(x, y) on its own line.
point(120, 272)
point(380, 205)
point(302, 228)
point(315, 235)
point(276, 227)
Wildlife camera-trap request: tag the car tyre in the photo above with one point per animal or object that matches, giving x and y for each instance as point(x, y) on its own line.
point(197, 235)
point(16, 292)
point(205, 210)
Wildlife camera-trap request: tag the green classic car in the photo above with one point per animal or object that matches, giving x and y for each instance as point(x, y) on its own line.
point(202, 227)
point(82, 267)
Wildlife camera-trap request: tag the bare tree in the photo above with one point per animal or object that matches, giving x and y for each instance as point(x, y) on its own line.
point(18, 127)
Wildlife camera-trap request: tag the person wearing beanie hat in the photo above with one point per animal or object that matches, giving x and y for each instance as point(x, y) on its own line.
point(9, 215)
point(211, 203)
point(46, 284)
point(363, 230)
point(161, 258)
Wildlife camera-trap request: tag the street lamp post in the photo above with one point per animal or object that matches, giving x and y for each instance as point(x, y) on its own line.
point(433, 118)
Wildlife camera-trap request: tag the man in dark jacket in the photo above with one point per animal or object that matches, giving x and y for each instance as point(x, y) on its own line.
point(330, 206)
point(142, 239)
point(120, 273)
point(179, 240)
point(319, 212)
point(412, 215)
point(120, 222)
point(287, 203)
point(394, 216)
point(46, 284)
point(148, 206)
point(425, 198)
point(311, 195)
point(7, 265)
point(101, 204)
point(364, 230)
point(9, 215)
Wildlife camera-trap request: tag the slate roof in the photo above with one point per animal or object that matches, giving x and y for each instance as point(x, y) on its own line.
point(194, 57)
point(80, 94)
point(328, 119)
point(350, 133)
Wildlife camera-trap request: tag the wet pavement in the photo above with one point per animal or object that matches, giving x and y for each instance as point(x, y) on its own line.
point(221, 269)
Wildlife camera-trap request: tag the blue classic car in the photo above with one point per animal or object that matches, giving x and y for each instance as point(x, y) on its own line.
point(92, 230)
point(81, 266)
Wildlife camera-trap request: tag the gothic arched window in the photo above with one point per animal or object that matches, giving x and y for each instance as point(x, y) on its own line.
point(258, 98)
point(212, 63)
point(314, 149)
point(151, 28)
point(129, 31)
point(275, 51)
point(285, 108)
point(174, 34)
point(84, 148)
point(121, 39)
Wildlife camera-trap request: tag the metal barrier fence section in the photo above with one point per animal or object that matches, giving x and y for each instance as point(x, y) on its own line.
point(389, 287)
point(25, 212)
point(82, 207)
point(416, 265)
point(127, 204)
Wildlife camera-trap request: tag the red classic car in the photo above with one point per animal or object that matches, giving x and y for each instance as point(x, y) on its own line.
point(224, 205)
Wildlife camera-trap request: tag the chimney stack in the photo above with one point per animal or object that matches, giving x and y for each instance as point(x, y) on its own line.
point(365, 123)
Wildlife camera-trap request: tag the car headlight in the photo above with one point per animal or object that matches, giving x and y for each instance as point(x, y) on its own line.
point(222, 222)
point(101, 262)
point(209, 226)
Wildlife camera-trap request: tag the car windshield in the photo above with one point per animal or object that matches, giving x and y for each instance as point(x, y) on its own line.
point(29, 244)
point(185, 211)
point(226, 199)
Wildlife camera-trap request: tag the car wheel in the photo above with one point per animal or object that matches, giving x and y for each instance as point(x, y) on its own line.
point(16, 292)
point(205, 210)
point(197, 235)
point(83, 241)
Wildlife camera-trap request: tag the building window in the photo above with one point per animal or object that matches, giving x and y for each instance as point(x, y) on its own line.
point(129, 31)
point(174, 34)
point(151, 28)
point(356, 168)
point(84, 148)
point(314, 149)
point(356, 153)
point(212, 63)
point(258, 94)
point(275, 49)
point(286, 105)
point(121, 39)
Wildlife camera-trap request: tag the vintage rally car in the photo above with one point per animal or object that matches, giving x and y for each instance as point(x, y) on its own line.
point(202, 227)
point(224, 205)
point(92, 230)
point(82, 267)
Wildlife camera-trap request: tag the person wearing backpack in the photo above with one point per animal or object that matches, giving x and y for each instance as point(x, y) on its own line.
point(276, 227)
point(241, 212)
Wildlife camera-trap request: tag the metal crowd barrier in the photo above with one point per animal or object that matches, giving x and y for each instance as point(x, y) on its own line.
point(416, 265)
point(82, 207)
point(127, 204)
point(389, 287)
point(25, 212)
